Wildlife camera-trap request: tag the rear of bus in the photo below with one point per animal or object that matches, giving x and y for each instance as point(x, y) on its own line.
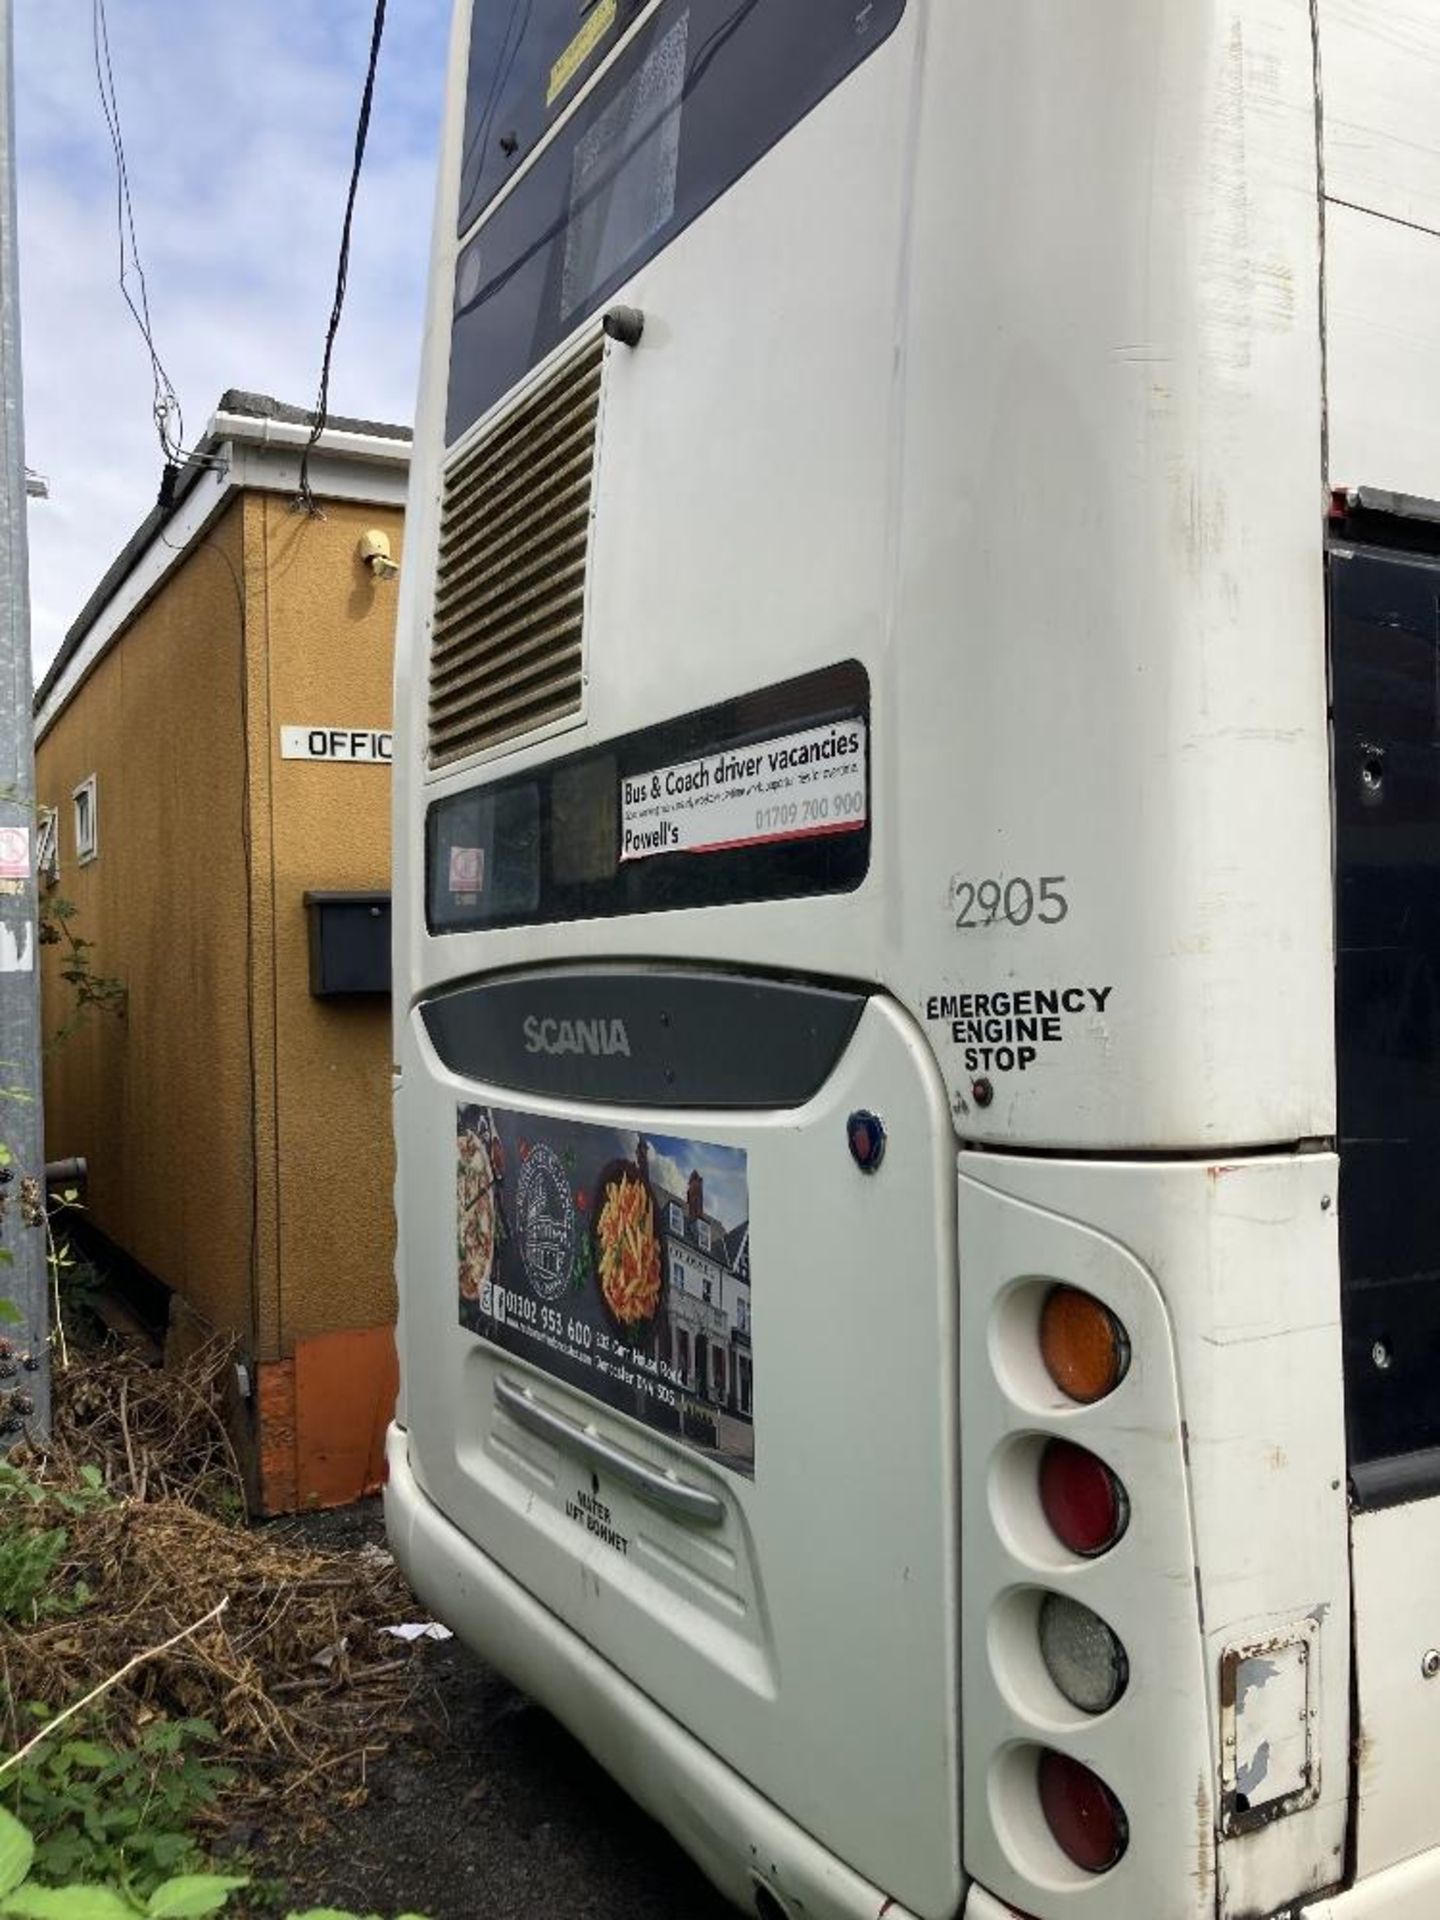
point(875, 1360)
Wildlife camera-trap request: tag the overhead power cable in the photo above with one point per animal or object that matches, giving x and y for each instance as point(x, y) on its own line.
point(304, 498)
point(165, 402)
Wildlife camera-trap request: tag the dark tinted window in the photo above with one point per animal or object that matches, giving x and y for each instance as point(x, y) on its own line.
point(702, 91)
point(1385, 661)
point(547, 846)
point(489, 865)
point(528, 60)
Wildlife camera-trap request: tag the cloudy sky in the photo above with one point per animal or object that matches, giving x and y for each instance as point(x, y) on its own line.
point(239, 120)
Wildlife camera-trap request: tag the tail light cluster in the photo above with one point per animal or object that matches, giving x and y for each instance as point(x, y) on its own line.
point(1086, 1353)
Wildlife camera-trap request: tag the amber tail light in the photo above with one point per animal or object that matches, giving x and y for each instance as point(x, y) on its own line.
point(1085, 1348)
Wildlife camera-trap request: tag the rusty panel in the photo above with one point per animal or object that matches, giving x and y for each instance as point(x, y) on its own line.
point(275, 1407)
point(345, 1385)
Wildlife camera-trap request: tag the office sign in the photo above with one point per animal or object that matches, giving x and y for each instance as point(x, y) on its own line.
point(348, 744)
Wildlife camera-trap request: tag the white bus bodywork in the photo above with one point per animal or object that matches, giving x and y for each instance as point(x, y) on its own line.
point(1019, 371)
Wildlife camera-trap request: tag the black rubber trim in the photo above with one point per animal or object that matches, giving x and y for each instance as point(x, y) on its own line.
point(1395, 1482)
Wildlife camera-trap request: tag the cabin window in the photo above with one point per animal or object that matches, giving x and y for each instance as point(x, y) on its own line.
point(87, 835)
point(47, 846)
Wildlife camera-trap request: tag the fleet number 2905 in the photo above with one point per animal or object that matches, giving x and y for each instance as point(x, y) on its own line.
point(987, 903)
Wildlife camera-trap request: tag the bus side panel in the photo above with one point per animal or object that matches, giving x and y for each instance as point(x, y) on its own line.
point(1380, 71)
point(1397, 1658)
point(1226, 1277)
point(1382, 301)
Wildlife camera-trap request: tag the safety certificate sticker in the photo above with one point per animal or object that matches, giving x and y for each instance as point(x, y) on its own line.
point(791, 788)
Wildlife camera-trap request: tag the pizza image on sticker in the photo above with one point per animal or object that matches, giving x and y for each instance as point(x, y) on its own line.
point(477, 1201)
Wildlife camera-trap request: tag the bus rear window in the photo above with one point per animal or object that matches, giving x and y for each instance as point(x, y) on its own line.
point(528, 60)
point(487, 863)
point(766, 797)
point(700, 91)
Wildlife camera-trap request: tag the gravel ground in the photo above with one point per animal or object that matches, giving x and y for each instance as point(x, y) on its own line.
point(497, 1815)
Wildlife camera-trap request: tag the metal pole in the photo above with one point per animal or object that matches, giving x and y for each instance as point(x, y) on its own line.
point(25, 1343)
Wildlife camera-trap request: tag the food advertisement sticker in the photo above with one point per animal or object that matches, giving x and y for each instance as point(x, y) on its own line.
point(792, 788)
point(617, 1261)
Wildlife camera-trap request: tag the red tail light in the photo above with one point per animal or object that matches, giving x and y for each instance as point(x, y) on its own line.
point(1086, 1819)
point(1082, 1499)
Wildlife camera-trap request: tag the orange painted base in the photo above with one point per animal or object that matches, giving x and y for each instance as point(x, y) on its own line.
point(322, 1419)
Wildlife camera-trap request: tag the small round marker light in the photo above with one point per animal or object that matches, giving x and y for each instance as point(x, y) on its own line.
point(1085, 1349)
point(866, 1135)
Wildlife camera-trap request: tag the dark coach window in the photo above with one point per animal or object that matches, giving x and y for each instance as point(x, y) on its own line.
point(700, 93)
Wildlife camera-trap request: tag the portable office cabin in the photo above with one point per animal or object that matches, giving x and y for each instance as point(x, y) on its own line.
point(213, 743)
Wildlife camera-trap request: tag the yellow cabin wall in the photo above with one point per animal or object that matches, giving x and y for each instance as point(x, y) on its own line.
point(237, 1129)
point(160, 1103)
point(325, 629)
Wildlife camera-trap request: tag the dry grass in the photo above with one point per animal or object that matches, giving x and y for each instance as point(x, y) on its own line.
point(302, 1689)
point(156, 1434)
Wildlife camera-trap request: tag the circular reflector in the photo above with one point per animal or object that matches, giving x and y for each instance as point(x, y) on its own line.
point(1082, 1499)
point(1086, 1819)
point(1085, 1349)
point(866, 1134)
point(1082, 1655)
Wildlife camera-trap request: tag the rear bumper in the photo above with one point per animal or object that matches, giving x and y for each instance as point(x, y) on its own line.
point(733, 1833)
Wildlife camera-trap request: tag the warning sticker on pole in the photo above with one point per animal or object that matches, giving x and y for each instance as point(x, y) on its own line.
point(790, 788)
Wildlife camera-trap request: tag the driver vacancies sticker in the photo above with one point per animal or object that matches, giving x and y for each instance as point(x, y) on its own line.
point(790, 788)
point(617, 1261)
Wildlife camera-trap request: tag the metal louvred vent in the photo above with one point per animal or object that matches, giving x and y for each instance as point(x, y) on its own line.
point(505, 652)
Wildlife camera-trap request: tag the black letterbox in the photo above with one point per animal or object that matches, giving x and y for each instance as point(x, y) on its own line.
point(349, 943)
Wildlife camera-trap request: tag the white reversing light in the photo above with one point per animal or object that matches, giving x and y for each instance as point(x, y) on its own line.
point(1081, 1654)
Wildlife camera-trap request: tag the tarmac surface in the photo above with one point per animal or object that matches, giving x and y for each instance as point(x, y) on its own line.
point(497, 1815)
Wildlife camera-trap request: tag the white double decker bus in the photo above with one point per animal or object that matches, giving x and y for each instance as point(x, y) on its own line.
point(917, 889)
